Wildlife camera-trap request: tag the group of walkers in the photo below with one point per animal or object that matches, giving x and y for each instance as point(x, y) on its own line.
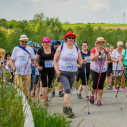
point(65, 62)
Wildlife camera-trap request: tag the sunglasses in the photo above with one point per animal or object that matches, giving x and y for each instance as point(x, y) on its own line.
point(71, 37)
point(24, 41)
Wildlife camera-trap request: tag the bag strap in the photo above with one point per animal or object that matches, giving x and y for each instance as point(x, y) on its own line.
point(23, 49)
point(62, 48)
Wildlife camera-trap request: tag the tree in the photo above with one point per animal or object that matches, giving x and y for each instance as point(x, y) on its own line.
point(38, 18)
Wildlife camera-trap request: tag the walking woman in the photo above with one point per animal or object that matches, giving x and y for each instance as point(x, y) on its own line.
point(99, 58)
point(81, 74)
point(65, 64)
point(117, 70)
point(123, 59)
point(46, 54)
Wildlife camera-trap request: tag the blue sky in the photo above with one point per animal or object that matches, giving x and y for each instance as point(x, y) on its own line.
point(73, 11)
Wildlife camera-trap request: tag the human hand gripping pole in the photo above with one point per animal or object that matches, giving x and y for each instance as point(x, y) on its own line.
point(86, 86)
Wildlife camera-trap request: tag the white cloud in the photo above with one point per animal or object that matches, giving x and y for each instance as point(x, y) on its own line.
point(98, 4)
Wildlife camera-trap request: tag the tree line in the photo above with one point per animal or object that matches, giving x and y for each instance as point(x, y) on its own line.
point(41, 26)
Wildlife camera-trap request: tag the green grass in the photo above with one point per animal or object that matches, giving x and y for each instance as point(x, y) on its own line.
point(94, 25)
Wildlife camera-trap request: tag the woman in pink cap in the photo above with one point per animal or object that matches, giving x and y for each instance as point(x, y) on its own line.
point(46, 54)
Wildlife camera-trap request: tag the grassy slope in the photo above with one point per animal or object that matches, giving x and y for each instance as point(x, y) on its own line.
point(95, 25)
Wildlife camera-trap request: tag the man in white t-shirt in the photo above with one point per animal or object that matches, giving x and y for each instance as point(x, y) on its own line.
point(21, 58)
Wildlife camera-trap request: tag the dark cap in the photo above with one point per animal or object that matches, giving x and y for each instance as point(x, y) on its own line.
point(57, 43)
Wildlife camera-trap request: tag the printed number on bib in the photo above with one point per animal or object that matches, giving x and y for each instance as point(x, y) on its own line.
point(69, 65)
point(23, 59)
point(48, 63)
point(102, 67)
point(87, 58)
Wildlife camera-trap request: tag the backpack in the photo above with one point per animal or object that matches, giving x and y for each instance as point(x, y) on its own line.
point(62, 48)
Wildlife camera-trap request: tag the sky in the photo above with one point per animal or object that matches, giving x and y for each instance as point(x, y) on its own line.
point(73, 11)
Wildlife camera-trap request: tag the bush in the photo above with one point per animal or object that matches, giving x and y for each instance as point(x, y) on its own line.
point(42, 118)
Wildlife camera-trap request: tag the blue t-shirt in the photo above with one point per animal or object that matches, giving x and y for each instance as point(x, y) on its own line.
point(87, 57)
point(124, 53)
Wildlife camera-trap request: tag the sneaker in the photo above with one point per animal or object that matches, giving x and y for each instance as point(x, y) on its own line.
point(91, 99)
point(33, 95)
point(123, 88)
point(76, 88)
point(79, 96)
point(69, 112)
point(108, 88)
point(87, 98)
point(116, 89)
point(41, 96)
point(61, 94)
point(99, 102)
point(111, 87)
point(53, 94)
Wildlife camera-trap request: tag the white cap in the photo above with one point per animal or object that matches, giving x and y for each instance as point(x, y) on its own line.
point(23, 36)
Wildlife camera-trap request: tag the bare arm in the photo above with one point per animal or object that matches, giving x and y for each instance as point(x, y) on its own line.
point(120, 60)
point(56, 58)
point(93, 57)
point(12, 64)
point(113, 60)
point(108, 57)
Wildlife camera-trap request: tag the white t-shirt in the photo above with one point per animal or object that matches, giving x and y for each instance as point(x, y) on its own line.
point(68, 58)
point(116, 56)
point(23, 60)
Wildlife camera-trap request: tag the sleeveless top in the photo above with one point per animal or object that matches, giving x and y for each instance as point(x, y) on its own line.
point(100, 64)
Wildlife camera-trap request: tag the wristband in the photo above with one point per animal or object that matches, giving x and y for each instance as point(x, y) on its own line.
point(100, 53)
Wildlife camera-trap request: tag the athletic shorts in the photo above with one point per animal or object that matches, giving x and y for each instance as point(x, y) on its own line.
point(82, 77)
point(36, 80)
point(95, 79)
point(109, 71)
point(117, 73)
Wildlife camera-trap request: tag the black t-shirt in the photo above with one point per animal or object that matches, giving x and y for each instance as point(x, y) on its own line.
point(44, 57)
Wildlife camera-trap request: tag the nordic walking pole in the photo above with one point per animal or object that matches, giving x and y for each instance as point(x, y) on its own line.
point(86, 86)
point(118, 80)
point(125, 74)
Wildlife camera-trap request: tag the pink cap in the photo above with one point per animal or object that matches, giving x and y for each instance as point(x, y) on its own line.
point(46, 39)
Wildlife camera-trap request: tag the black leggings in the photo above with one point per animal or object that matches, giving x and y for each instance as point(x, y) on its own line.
point(95, 76)
point(50, 72)
point(82, 77)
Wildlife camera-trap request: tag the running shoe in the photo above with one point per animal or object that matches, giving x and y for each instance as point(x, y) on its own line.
point(123, 88)
point(76, 88)
point(61, 94)
point(69, 112)
point(41, 96)
point(108, 88)
point(79, 96)
point(87, 98)
point(33, 95)
point(91, 99)
point(99, 102)
point(116, 89)
point(111, 87)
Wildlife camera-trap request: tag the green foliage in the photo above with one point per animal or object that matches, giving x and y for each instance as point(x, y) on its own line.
point(11, 108)
point(42, 118)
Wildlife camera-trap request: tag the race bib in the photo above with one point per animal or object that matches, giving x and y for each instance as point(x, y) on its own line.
point(87, 58)
point(69, 65)
point(48, 63)
point(101, 67)
point(23, 59)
